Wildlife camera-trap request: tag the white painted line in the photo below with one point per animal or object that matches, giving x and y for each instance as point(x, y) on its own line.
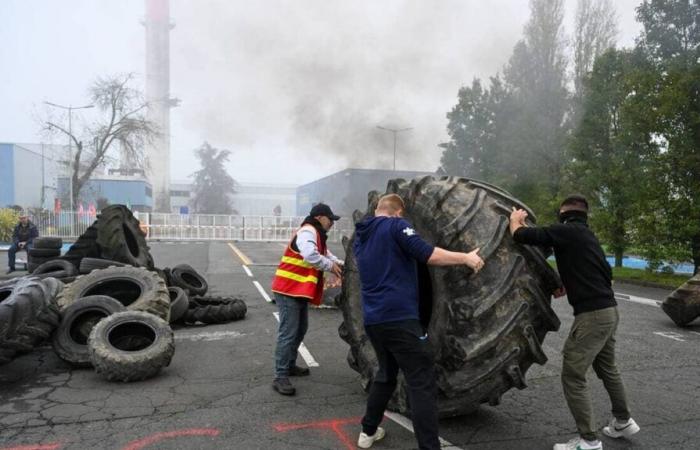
point(406, 423)
point(303, 351)
point(262, 291)
point(634, 299)
point(208, 336)
point(247, 270)
point(670, 335)
point(695, 332)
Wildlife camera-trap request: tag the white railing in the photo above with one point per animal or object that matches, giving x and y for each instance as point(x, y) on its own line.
point(162, 226)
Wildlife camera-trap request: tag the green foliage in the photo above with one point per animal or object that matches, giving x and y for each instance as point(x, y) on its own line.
point(666, 280)
point(212, 185)
point(8, 220)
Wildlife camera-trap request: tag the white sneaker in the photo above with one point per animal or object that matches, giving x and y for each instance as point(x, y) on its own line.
point(579, 443)
point(365, 441)
point(617, 428)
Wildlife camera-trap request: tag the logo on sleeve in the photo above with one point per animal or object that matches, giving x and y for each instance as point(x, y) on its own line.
point(408, 231)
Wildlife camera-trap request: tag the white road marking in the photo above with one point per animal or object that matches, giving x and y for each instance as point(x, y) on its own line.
point(247, 270)
point(635, 299)
point(406, 423)
point(262, 292)
point(208, 336)
point(695, 332)
point(303, 351)
point(671, 335)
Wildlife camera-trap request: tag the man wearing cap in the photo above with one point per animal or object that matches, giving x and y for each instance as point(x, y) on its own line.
point(22, 237)
point(298, 281)
point(587, 278)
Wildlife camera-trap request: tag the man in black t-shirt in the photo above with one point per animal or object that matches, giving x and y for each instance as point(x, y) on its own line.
point(587, 278)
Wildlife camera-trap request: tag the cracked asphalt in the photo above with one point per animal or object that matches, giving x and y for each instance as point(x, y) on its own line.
point(216, 393)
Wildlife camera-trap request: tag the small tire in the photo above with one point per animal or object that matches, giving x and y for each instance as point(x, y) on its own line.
point(48, 242)
point(179, 303)
point(70, 339)
point(87, 265)
point(184, 276)
point(131, 346)
point(213, 310)
point(56, 268)
point(34, 252)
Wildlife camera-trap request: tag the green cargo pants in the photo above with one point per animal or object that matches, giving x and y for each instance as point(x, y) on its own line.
point(591, 341)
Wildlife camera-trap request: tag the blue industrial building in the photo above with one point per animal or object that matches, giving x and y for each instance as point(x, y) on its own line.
point(28, 174)
point(127, 190)
point(346, 191)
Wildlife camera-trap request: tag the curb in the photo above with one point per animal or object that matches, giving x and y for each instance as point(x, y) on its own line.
point(644, 283)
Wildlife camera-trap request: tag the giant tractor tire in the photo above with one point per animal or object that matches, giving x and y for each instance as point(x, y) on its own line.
point(119, 237)
point(683, 305)
point(485, 329)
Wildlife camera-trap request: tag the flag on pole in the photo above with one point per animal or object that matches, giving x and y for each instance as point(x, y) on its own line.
point(81, 211)
point(92, 211)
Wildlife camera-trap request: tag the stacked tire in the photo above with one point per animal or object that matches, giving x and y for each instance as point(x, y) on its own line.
point(28, 314)
point(485, 330)
point(43, 249)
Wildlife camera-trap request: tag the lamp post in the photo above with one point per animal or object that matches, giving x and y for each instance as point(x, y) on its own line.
point(395, 132)
point(70, 109)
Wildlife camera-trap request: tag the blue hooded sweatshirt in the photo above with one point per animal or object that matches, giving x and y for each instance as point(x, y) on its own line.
point(386, 250)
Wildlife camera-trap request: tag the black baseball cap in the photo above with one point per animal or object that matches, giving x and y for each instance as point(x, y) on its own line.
point(321, 209)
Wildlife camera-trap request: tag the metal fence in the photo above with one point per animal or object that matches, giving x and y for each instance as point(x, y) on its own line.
point(200, 227)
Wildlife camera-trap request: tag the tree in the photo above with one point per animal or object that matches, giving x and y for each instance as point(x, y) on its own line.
point(121, 126)
point(611, 148)
point(671, 41)
point(536, 79)
point(212, 185)
point(595, 32)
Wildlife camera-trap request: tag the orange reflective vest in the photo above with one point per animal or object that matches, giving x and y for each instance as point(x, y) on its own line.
point(297, 278)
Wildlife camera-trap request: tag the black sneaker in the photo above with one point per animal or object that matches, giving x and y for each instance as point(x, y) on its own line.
point(10, 270)
point(283, 386)
point(296, 371)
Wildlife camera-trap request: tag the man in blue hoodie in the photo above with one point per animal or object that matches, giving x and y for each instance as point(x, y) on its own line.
point(387, 249)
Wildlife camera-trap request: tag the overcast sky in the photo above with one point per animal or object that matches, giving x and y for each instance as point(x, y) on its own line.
point(294, 88)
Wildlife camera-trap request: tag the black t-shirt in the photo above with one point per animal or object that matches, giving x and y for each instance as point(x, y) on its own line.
point(585, 272)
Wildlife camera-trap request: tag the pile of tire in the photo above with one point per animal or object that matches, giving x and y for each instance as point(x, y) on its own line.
point(485, 330)
point(683, 305)
point(116, 236)
point(190, 305)
point(28, 314)
point(43, 249)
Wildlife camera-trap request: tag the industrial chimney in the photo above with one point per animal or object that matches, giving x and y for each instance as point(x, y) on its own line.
point(158, 28)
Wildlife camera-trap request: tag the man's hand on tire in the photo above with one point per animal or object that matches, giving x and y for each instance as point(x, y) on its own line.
point(474, 261)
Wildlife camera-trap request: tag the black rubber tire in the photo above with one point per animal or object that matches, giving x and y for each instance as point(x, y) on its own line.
point(136, 288)
point(28, 315)
point(84, 247)
point(69, 341)
point(683, 304)
point(120, 239)
point(131, 346)
point(212, 310)
point(184, 276)
point(179, 303)
point(87, 265)
point(485, 330)
point(48, 242)
point(56, 268)
point(43, 253)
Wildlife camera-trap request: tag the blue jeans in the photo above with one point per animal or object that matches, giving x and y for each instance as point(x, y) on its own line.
point(294, 321)
point(12, 252)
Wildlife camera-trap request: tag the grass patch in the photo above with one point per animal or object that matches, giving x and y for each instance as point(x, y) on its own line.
point(626, 274)
point(671, 281)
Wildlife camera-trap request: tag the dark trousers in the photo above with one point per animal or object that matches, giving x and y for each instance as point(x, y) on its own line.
point(12, 253)
point(402, 345)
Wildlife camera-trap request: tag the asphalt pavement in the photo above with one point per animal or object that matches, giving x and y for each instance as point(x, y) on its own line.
point(216, 393)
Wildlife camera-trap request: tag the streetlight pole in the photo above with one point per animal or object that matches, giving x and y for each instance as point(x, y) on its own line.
point(70, 109)
point(395, 132)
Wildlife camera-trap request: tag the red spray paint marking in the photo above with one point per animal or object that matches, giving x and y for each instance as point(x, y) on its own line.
point(157, 437)
point(333, 424)
point(34, 447)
